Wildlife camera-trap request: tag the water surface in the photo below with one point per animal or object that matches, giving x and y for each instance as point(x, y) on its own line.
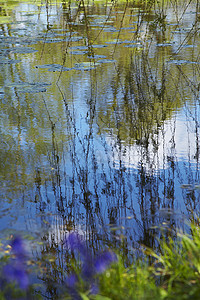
point(100, 119)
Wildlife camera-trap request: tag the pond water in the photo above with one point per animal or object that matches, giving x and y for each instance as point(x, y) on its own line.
point(100, 119)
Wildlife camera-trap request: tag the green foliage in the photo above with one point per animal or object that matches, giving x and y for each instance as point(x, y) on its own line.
point(135, 282)
point(180, 263)
point(174, 274)
point(171, 273)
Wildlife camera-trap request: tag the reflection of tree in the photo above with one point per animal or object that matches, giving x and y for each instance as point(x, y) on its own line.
point(145, 104)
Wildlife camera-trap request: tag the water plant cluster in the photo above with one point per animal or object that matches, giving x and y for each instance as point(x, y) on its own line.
point(173, 272)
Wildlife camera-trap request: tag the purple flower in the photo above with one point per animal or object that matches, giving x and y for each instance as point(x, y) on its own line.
point(72, 280)
point(88, 270)
point(18, 248)
point(103, 261)
point(16, 269)
point(16, 272)
point(90, 266)
point(17, 245)
point(94, 289)
point(76, 244)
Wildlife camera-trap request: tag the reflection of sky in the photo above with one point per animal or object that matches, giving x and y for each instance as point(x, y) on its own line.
point(36, 15)
point(177, 138)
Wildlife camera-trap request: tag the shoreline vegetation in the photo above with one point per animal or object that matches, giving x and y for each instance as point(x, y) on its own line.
point(173, 272)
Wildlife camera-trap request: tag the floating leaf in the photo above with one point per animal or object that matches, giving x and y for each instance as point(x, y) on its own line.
point(164, 44)
point(9, 61)
point(182, 61)
point(133, 46)
point(79, 48)
point(106, 61)
point(189, 46)
point(96, 56)
point(32, 90)
point(186, 186)
point(55, 34)
point(111, 29)
point(47, 66)
point(4, 52)
point(17, 84)
point(86, 66)
point(115, 41)
point(61, 30)
point(60, 68)
point(99, 46)
point(53, 67)
point(78, 52)
point(23, 50)
point(131, 42)
point(128, 28)
point(74, 39)
point(26, 87)
point(49, 41)
point(1, 91)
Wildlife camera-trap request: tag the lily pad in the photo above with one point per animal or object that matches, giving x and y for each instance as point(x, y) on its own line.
point(78, 52)
point(9, 61)
point(26, 87)
point(60, 30)
point(128, 28)
point(53, 67)
point(99, 46)
point(33, 90)
point(133, 46)
point(182, 61)
point(164, 44)
point(186, 186)
point(85, 66)
point(60, 68)
point(131, 42)
point(17, 84)
point(191, 187)
point(1, 91)
point(4, 52)
point(106, 61)
point(49, 41)
point(74, 39)
point(31, 41)
point(189, 46)
point(47, 66)
point(115, 41)
point(55, 34)
point(111, 29)
point(23, 50)
point(9, 40)
point(78, 48)
point(96, 56)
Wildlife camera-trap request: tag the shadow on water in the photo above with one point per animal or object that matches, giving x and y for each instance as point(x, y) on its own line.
point(109, 145)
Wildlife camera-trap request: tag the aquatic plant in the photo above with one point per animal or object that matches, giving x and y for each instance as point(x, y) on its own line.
point(15, 270)
point(171, 273)
point(14, 278)
point(84, 279)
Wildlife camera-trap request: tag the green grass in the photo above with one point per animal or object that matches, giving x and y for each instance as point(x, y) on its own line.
point(173, 272)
